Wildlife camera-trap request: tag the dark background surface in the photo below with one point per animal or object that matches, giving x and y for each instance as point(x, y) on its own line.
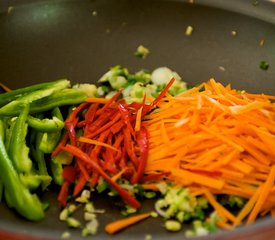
point(47, 40)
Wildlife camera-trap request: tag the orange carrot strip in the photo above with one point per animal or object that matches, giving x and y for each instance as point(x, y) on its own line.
point(267, 138)
point(224, 225)
point(206, 138)
point(222, 212)
point(95, 142)
point(248, 206)
point(223, 138)
point(96, 100)
point(263, 195)
point(138, 119)
point(150, 186)
point(242, 166)
point(247, 108)
point(198, 178)
point(118, 225)
point(118, 175)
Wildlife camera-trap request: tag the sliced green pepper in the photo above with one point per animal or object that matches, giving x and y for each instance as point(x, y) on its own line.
point(65, 97)
point(45, 125)
point(18, 104)
point(18, 150)
point(17, 93)
point(17, 195)
point(49, 140)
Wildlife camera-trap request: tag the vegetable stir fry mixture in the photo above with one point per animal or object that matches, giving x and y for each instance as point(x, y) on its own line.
point(205, 154)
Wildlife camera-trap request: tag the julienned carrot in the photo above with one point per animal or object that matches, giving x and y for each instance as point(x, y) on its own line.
point(95, 142)
point(118, 225)
point(267, 186)
point(219, 140)
point(96, 100)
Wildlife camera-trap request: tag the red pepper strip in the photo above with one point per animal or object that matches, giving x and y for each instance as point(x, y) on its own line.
point(90, 114)
point(69, 173)
point(83, 170)
point(163, 92)
point(81, 124)
point(61, 144)
point(145, 107)
point(80, 184)
point(109, 162)
point(126, 196)
point(130, 149)
point(77, 110)
point(106, 126)
point(117, 127)
point(122, 162)
point(89, 117)
point(113, 99)
point(129, 172)
point(94, 179)
point(99, 122)
point(72, 121)
point(118, 141)
point(143, 144)
point(126, 116)
point(63, 194)
point(117, 144)
point(155, 176)
point(102, 138)
point(70, 126)
point(109, 158)
point(118, 155)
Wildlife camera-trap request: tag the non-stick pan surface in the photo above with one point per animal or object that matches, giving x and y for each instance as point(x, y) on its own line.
point(81, 39)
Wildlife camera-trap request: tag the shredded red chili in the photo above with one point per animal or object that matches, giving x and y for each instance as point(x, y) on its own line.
point(117, 147)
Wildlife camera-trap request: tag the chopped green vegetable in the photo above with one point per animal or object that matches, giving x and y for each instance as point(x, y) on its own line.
point(135, 86)
point(45, 125)
point(148, 237)
point(18, 150)
point(73, 223)
point(17, 93)
point(15, 106)
point(128, 210)
point(66, 235)
point(27, 135)
point(264, 65)
point(233, 33)
point(142, 52)
point(90, 228)
point(233, 201)
point(88, 216)
point(16, 194)
point(172, 225)
point(84, 197)
point(189, 30)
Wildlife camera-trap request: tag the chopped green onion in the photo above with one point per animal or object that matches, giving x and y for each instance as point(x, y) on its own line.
point(172, 225)
point(142, 52)
point(189, 30)
point(73, 223)
point(264, 65)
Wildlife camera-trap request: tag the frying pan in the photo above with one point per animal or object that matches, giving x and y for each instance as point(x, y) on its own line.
point(80, 40)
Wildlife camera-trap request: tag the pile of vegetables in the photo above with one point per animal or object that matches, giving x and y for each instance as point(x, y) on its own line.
point(30, 127)
point(226, 140)
point(206, 153)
